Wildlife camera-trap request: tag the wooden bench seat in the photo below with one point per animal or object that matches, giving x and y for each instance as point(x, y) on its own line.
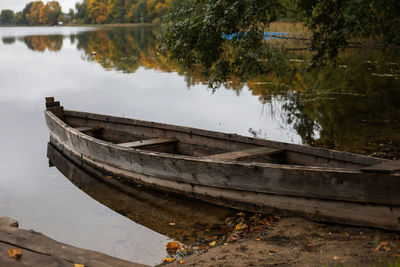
point(385, 167)
point(149, 143)
point(246, 154)
point(87, 129)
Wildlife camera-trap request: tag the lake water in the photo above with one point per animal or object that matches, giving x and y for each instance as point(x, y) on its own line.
point(117, 71)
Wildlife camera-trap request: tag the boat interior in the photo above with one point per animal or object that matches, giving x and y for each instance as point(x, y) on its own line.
point(135, 134)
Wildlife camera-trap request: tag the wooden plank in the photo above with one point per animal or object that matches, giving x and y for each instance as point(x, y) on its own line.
point(86, 129)
point(245, 154)
point(149, 142)
point(49, 99)
point(386, 167)
point(52, 104)
point(58, 111)
point(40, 250)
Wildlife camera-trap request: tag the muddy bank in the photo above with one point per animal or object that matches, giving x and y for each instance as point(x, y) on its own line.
point(299, 242)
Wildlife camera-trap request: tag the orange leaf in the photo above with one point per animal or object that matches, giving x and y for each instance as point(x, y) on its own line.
point(14, 253)
point(168, 259)
point(172, 247)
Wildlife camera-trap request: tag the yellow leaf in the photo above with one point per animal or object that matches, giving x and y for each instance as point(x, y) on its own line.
point(241, 226)
point(14, 253)
point(212, 243)
point(181, 262)
point(79, 265)
point(168, 259)
point(258, 239)
point(109, 177)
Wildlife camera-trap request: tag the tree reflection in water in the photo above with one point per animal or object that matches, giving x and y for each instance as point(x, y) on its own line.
point(354, 106)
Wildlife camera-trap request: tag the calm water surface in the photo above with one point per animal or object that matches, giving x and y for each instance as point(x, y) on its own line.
point(117, 71)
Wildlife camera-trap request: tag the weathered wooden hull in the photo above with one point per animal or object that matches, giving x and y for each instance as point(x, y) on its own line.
point(341, 193)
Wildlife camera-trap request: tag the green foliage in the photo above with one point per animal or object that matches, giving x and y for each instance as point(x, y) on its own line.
point(19, 18)
point(195, 30)
point(82, 12)
point(121, 11)
point(334, 23)
point(387, 263)
point(6, 17)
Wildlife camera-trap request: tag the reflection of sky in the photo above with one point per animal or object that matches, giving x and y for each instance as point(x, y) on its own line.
point(38, 196)
point(29, 31)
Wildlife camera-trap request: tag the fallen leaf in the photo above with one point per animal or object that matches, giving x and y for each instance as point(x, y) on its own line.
point(14, 253)
point(168, 259)
point(383, 245)
point(241, 226)
point(181, 262)
point(225, 244)
point(258, 239)
point(172, 223)
point(172, 247)
point(109, 177)
point(335, 258)
point(309, 245)
point(211, 244)
point(274, 250)
point(79, 265)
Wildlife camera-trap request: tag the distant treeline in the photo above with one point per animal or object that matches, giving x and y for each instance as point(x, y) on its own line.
point(121, 11)
point(34, 13)
point(88, 12)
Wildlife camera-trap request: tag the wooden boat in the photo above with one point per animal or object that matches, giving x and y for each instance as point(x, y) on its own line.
point(232, 170)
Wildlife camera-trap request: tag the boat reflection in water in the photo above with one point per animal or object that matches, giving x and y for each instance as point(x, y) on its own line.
point(181, 219)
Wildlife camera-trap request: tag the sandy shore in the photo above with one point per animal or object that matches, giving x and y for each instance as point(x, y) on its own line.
point(299, 242)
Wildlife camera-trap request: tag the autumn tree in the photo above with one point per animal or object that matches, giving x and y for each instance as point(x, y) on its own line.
point(37, 13)
point(121, 11)
point(34, 13)
point(98, 11)
point(52, 12)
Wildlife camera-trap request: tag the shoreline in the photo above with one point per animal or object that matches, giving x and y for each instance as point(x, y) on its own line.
point(292, 241)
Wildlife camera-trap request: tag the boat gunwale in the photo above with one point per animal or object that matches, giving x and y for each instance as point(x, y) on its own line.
point(296, 148)
point(202, 159)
